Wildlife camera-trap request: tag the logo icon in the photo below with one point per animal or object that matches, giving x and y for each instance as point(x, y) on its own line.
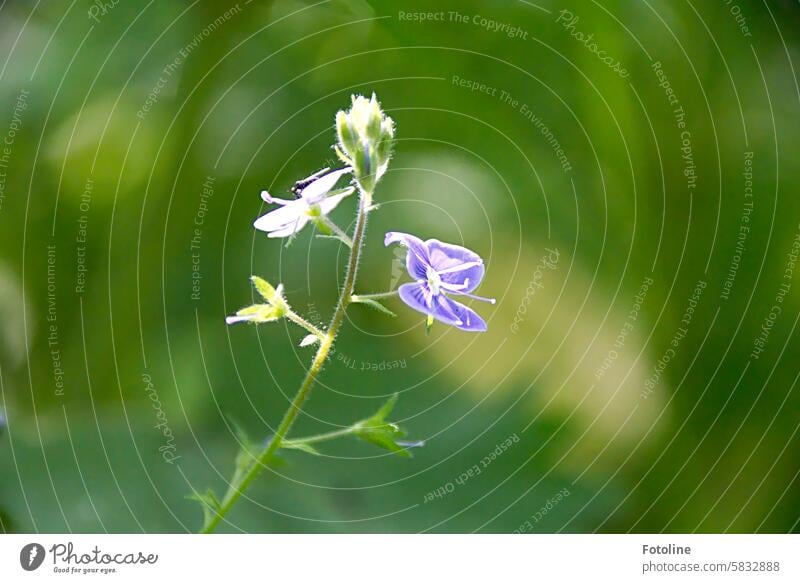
point(31, 556)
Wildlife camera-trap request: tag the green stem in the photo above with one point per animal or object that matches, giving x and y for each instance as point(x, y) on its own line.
point(340, 234)
point(302, 322)
point(238, 486)
point(377, 296)
point(320, 437)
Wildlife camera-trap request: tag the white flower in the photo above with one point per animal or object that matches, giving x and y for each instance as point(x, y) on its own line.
point(312, 201)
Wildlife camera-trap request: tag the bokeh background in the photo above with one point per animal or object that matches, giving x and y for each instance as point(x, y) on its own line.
point(641, 361)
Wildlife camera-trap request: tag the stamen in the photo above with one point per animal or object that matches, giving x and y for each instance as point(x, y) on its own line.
point(460, 267)
point(474, 297)
point(455, 287)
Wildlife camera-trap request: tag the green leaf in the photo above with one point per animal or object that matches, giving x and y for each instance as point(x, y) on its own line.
point(373, 304)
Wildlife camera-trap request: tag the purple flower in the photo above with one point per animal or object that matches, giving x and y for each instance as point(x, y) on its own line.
point(440, 269)
point(313, 201)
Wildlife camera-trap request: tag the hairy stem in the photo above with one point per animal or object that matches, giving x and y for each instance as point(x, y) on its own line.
point(303, 323)
point(244, 478)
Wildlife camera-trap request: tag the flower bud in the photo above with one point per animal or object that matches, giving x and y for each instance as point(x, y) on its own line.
point(347, 139)
point(257, 314)
point(275, 308)
point(366, 137)
point(374, 120)
point(364, 173)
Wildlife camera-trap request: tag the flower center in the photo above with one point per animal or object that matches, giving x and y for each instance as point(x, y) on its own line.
point(434, 280)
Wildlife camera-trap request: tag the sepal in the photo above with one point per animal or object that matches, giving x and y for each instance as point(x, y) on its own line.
point(377, 431)
point(273, 295)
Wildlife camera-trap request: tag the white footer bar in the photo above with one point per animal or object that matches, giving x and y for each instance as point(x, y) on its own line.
point(401, 558)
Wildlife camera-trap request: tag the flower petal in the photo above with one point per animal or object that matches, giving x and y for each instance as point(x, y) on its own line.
point(282, 217)
point(470, 321)
point(459, 268)
point(417, 260)
point(236, 319)
point(267, 197)
point(327, 204)
point(290, 229)
point(444, 312)
point(322, 185)
point(417, 296)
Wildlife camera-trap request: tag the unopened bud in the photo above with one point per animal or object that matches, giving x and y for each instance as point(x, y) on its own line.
point(366, 136)
point(374, 121)
point(347, 139)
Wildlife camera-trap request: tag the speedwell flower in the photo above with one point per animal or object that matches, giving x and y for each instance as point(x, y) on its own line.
point(314, 200)
point(440, 269)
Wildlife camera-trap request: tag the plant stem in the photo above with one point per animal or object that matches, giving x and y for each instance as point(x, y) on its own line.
point(303, 323)
point(262, 459)
point(320, 437)
point(340, 234)
point(378, 296)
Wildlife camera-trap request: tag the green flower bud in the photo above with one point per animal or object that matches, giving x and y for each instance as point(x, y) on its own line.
point(366, 138)
point(374, 121)
point(347, 139)
point(365, 173)
point(275, 308)
point(257, 314)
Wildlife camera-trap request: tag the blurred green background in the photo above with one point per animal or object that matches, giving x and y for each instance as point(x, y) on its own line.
point(516, 142)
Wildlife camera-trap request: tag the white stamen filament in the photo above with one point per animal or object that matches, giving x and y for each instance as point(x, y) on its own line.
point(461, 267)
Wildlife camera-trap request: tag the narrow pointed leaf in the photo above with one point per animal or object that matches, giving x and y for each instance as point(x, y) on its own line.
point(375, 305)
